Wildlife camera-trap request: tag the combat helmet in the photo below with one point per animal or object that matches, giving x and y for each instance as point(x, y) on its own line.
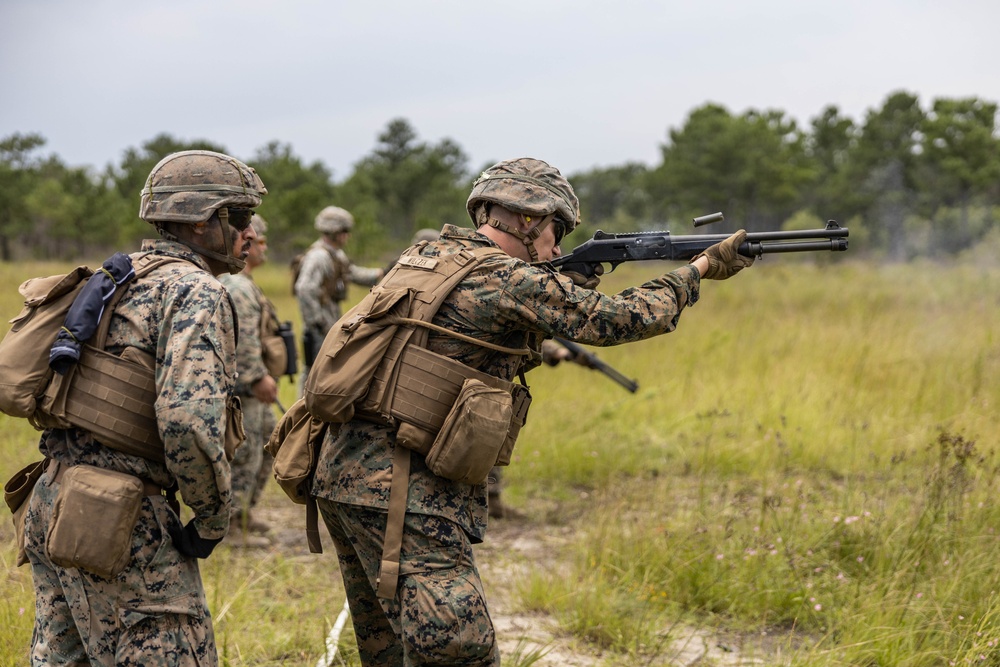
point(259, 225)
point(188, 187)
point(333, 219)
point(529, 186)
point(191, 185)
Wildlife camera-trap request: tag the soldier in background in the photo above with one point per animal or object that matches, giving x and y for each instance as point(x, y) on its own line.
point(323, 277)
point(154, 612)
point(257, 387)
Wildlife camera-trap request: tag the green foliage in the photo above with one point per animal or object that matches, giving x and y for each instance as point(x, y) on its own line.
point(919, 182)
point(295, 194)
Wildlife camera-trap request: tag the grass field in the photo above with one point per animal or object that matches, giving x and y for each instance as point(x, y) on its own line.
point(809, 458)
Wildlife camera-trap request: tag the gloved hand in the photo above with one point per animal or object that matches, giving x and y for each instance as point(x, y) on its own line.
point(189, 542)
point(724, 260)
point(583, 281)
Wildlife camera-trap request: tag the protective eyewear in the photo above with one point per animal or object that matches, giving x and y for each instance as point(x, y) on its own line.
point(559, 228)
point(238, 218)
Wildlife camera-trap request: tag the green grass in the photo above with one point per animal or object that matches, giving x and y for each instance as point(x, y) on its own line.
point(810, 458)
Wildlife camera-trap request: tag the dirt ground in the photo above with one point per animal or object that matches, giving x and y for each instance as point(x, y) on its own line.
point(514, 545)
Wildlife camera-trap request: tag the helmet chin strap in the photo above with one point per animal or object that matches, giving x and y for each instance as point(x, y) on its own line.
point(527, 239)
point(234, 264)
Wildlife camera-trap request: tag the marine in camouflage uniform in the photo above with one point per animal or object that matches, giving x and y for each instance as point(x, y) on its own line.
point(323, 277)
point(439, 613)
point(258, 391)
point(154, 613)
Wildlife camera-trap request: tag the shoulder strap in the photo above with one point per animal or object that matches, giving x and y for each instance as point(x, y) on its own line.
point(143, 265)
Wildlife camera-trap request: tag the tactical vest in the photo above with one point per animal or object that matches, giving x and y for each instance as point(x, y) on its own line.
point(113, 397)
point(374, 362)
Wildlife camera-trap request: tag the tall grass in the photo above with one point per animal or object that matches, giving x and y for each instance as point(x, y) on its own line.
point(808, 467)
point(810, 454)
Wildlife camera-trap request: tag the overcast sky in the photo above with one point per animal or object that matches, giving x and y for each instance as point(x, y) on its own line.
point(578, 83)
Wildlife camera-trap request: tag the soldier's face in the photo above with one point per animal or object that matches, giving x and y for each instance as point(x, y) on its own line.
point(547, 245)
point(258, 252)
point(241, 240)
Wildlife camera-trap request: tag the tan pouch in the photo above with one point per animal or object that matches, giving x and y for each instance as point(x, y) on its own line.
point(93, 518)
point(295, 444)
point(16, 493)
point(474, 432)
point(274, 355)
point(235, 433)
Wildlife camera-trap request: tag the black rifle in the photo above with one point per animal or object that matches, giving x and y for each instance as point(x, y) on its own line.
point(591, 361)
point(615, 249)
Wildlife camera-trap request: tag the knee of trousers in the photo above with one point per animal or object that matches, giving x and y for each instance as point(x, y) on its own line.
point(444, 617)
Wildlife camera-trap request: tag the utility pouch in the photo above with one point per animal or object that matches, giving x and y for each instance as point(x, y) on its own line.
point(16, 493)
point(274, 354)
point(294, 444)
point(93, 518)
point(473, 434)
point(235, 434)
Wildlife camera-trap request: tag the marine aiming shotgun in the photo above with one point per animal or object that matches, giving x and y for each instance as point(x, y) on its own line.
point(590, 360)
point(614, 249)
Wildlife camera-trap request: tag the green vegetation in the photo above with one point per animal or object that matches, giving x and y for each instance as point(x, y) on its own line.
point(909, 179)
point(808, 468)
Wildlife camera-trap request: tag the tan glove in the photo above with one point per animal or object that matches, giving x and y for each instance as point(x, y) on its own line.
point(583, 281)
point(724, 259)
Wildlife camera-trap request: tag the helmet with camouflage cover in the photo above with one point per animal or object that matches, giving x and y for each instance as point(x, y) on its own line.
point(333, 219)
point(259, 225)
point(525, 185)
point(425, 234)
point(190, 186)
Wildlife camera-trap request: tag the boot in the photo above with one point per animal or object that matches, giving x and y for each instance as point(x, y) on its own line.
point(257, 525)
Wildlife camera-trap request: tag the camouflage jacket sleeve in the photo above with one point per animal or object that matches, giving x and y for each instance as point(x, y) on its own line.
point(249, 359)
point(361, 275)
point(509, 302)
point(544, 300)
point(196, 360)
point(309, 289)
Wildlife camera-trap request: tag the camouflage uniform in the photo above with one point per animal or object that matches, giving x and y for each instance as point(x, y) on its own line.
point(155, 612)
point(322, 284)
point(248, 470)
point(438, 615)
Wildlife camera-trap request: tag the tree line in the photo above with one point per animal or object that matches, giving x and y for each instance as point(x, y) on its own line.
point(908, 180)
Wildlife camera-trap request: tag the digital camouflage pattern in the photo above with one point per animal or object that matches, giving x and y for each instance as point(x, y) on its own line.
point(526, 185)
point(322, 284)
point(258, 417)
point(180, 314)
point(176, 190)
point(506, 302)
point(418, 626)
point(154, 614)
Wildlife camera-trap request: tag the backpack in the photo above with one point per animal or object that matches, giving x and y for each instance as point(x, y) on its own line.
point(25, 374)
point(362, 355)
point(24, 351)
